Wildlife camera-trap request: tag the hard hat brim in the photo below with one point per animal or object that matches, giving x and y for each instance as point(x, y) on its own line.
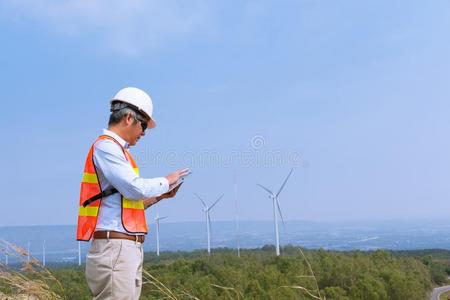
point(151, 123)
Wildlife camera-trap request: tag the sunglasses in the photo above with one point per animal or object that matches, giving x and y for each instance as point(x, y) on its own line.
point(142, 121)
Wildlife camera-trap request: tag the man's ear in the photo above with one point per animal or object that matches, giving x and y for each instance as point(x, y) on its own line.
point(128, 120)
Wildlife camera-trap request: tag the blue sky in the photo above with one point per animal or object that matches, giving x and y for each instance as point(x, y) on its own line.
point(353, 94)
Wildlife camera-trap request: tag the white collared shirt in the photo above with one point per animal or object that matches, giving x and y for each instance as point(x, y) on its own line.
point(114, 170)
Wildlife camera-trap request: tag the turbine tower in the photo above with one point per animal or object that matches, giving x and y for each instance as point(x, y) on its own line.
point(43, 254)
point(157, 232)
point(79, 253)
point(276, 205)
point(237, 215)
point(6, 255)
point(207, 209)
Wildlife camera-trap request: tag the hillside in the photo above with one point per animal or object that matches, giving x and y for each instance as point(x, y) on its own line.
point(258, 274)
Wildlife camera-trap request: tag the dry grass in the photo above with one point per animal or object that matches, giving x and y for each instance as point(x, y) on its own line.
point(313, 293)
point(228, 289)
point(160, 287)
point(165, 292)
point(26, 280)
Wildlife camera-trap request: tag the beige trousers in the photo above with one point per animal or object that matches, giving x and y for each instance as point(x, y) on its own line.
point(114, 269)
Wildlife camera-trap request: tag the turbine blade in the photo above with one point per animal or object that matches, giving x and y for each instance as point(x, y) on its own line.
point(215, 202)
point(281, 215)
point(284, 183)
point(266, 189)
point(161, 218)
point(204, 204)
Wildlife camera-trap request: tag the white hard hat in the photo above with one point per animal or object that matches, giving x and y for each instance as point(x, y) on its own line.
point(139, 99)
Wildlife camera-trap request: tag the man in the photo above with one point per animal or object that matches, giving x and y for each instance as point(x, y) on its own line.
point(113, 199)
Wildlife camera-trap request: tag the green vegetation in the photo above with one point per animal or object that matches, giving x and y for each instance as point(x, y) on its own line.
point(258, 274)
point(445, 296)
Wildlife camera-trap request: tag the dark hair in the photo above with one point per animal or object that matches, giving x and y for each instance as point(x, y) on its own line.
point(120, 109)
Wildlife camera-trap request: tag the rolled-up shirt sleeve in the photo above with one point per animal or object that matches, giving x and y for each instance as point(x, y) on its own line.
point(110, 161)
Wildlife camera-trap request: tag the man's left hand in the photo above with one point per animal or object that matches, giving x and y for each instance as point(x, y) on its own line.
point(170, 194)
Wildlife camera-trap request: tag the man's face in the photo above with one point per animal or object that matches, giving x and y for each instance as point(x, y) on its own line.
point(135, 129)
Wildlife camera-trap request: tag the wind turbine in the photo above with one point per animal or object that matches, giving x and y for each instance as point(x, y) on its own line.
point(276, 205)
point(43, 254)
point(157, 232)
point(207, 209)
point(28, 252)
point(6, 255)
point(237, 215)
point(79, 253)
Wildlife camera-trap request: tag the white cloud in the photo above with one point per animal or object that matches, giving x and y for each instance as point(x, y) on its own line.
point(126, 27)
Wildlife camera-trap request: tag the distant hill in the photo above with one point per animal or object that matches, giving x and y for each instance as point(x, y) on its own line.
point(393, 235)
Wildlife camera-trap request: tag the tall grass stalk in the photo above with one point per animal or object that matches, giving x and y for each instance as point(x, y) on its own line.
point(314, 293)
point(26, 279)
point(149, 278)
point(228, 289)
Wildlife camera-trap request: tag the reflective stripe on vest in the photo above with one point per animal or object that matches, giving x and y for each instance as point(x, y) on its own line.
point(133, 212)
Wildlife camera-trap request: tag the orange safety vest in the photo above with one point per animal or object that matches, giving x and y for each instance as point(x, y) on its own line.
point(133, 212)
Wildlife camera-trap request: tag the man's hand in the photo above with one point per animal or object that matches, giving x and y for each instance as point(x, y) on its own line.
point(170, 194)
point(175, 176)
point(153, 200)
